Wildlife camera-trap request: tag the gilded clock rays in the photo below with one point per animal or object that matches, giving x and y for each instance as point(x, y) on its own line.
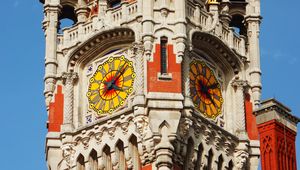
point(205, 90)
point(110, 85)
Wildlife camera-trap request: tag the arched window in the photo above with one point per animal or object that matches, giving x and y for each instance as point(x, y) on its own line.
point(80, 163)
point(120, 155)
point(199, 157)
point(93, 161)
point(230, 165)
point(113, 3)
point(67, 18)
point(189, 153)
point(210, 159)
point(107, 158)
point(237, 23)
point(134, 152)
point(220, 162)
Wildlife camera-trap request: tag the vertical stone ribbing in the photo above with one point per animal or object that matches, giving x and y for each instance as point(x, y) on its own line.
point(69, 79)
point(239, 101)
point(50, 25)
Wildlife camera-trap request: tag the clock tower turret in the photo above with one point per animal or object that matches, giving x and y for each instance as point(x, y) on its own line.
point(143, 84)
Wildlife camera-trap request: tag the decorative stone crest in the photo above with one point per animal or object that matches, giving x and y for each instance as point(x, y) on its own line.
point(184, 127)
point(241, 157)
point(68, 153)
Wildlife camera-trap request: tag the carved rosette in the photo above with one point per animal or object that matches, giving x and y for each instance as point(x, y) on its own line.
point(68, 154)
point(69, 80)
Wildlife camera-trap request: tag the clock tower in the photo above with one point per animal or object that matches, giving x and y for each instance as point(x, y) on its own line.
point(152, 85)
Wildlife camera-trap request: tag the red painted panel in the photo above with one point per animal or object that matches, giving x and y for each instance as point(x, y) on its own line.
point(277, 146)
point(56, 109)
point(251, 126)
point(147, 167)
point(153, 68)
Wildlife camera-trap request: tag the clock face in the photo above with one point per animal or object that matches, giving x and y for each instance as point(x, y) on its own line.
point(205, 90)
point(110, 85)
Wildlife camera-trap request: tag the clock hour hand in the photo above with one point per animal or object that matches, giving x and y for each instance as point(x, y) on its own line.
point(119, 73)
point(117, 87)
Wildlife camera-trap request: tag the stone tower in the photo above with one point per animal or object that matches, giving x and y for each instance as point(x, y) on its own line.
point(152, 84)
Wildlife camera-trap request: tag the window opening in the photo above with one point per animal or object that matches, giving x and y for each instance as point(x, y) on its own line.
point(120, 154)
point(209, 159)
point(114, 3)
point(107, 158)
point(134, 152)
point(80, 162)
point(163, 54)
point(220, 162)
point(199, 157)
point(93, 160)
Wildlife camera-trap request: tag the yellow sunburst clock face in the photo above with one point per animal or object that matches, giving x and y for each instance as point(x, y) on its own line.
point(110, 85)
point(205, 90)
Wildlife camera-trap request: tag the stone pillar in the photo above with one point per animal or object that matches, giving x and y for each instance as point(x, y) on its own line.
point(82, 11)
point(180, 29)
point(240, 121)
point(138, 50)
point(186, 80)
point(69, 80)
point(50, 25)
point(252, 21)
point(148, 25)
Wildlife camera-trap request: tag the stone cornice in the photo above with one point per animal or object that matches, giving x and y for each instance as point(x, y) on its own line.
point(274, 105)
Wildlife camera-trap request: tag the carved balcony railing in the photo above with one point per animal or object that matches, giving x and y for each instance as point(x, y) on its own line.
point(118, 16)
point(200, 18)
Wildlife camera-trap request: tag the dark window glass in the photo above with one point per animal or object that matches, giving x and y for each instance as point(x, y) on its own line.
point(163, 54)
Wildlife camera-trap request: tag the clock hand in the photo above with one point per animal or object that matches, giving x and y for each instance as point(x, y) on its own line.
point(120, 73)
point(117, 87)
point(213, 86)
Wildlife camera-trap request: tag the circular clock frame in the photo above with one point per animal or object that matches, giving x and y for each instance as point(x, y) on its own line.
point(110, 85)
point(205, 89)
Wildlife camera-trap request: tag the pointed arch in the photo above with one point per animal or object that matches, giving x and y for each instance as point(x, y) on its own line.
point(93, 160)
point(107, 157)
point(189, 153)
point(230, 165)
point(199, 157)
point(134, 152)
point(210, 159)
point(80, 162)
point(120, 155)
point(220, 162)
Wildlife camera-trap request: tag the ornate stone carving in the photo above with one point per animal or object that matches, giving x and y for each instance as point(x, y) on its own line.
point(69, 79)
point(184, 127)
point(141, 123)
point(239, 86)
point(138, 51)
point(68, 153)
point(240, 160)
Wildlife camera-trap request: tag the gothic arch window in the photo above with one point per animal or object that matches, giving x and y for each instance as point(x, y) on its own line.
point(210, 159)
point(220, 162)
point(120, 155)
point(189, 153)
point(107, 158)
point(199, 157)
point(134, 152)
point(230, 165)
point(80, 163)
point(93, 161)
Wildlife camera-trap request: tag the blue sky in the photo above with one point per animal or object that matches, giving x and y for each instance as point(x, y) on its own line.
point(23, 127)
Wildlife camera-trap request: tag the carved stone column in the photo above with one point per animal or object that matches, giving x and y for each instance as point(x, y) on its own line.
point(239, 85)
point(50, 25)
point(69, 80)
point(138, 50)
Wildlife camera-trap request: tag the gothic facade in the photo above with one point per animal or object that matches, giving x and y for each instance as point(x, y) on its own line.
point(152, 84)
